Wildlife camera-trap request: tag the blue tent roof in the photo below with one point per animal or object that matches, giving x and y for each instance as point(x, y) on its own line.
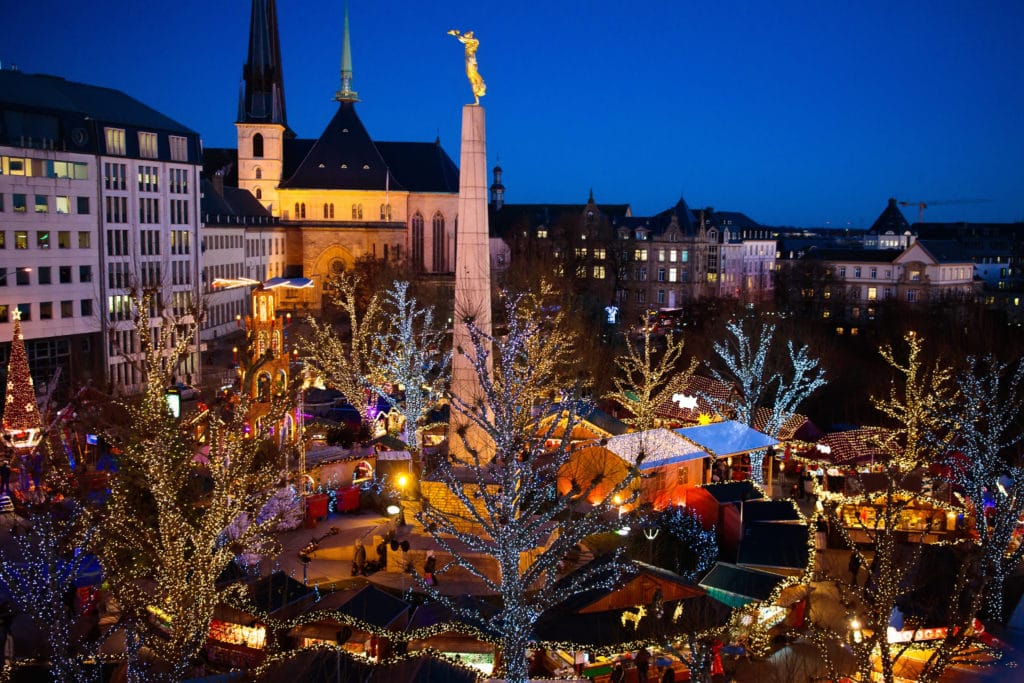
point(726, 438)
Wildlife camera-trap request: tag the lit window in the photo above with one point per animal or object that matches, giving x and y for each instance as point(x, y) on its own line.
point(147, 145)
point(115, 141)
point(21, 239)
point(41, 204)
point(179, 147)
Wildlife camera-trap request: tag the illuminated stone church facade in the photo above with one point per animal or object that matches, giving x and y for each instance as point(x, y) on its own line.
point(342, 195)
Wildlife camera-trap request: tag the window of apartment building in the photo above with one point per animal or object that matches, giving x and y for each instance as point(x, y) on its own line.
point(3, 239)
point(641, 296)
point(661, 254)
point(84, 239)
point(179, 242)
point(874, 273)
point(600, 254)
point(42, 206)
point(62, 204)
point(672, 275)
point(915, 276)
point(115, 176)
point(85, 273)
point(19, 202)
point(639, 254)
point(147, 145)
point(842, 272)
point(179, 147)
point(25, 310)
point(46, 310)
point(661, 274)
point(22, 276)
point(581, 252)
point(115, 141)
point(5, 313)
point(856, 271)
point(149, 210)
point(86, 307)
point(148, 179)
point(672, 255)
point(661, 296)
point(21, 239)
point(642, 274)
point(45, 275)
point(599, 272)
point(912, 296)
point(117, 242)
point(67, 309)
point(43, 239)
point(542, 233)
point(1, 202)
point(63, 239)
point(872, 293)
point(64, 274)
point(117, 209)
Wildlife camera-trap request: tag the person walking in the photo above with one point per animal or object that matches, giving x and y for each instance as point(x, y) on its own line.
point(5, 476)
point(854, 567)
point(618, 673)
point(430, 568)
point(643, 664)
point(668, 674)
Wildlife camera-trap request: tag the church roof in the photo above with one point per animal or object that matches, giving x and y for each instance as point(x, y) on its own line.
point(891, 220)
point(231, 201)
point(420, 166)
point(343, 158)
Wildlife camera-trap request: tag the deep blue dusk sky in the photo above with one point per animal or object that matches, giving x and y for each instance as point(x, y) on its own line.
point(793, 113)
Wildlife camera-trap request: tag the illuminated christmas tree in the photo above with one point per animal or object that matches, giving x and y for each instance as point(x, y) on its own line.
point(748, 369)
point(985, 463)
point(22, 425)
point(500, 499)
point(407, 353)
point(645, 382)
point(40, 574)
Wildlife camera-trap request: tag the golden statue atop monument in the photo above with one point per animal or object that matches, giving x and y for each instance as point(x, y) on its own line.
point(475, 79)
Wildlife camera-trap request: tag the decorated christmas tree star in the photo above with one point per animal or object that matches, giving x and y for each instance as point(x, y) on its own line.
point(21, 420)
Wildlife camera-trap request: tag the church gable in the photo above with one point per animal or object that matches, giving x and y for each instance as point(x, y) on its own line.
point(343, 158)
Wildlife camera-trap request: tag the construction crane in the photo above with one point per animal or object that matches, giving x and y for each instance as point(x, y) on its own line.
point(921, 206)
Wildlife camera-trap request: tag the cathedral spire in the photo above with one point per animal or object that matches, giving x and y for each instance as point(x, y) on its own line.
point(346, 94)
point(262, 97)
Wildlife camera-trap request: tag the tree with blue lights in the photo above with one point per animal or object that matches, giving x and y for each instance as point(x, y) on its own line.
point(984, 429)
point(505, 496)
point(40, 573)
point(409, 368)
point(759, 387)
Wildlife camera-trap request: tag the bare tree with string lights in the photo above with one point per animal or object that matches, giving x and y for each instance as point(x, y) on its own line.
point(983, 427)
point(343, 365)
point(644, 381)
point(165, 537)
point(901, 566)
point(502, 500)
point(40, 574)
point(758, 387)
point(408, 352)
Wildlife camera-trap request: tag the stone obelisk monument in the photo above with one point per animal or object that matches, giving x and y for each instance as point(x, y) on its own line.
point(472, 264)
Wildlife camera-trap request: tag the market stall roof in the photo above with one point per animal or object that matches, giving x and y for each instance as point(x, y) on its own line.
point(853, 446)
point(376, 607)
point(770, 511)
point(326, 665)
point(738, 586)
point(288, 283)
point(276, 590)
point(699, 396)
point(658, 446)
point(729, 437)
point(733, 491)
point(780, 546)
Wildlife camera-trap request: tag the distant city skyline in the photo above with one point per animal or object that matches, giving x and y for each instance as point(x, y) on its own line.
point(804, 114)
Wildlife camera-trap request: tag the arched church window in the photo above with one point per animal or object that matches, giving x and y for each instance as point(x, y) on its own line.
point(331, 207)
point(417, 241)
point(326, 214)
point(440, 244)
point(259, 173)
point(257, 146)
point(259, 193)
point(296, 209)
point(357, 212)
point(302, 210)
